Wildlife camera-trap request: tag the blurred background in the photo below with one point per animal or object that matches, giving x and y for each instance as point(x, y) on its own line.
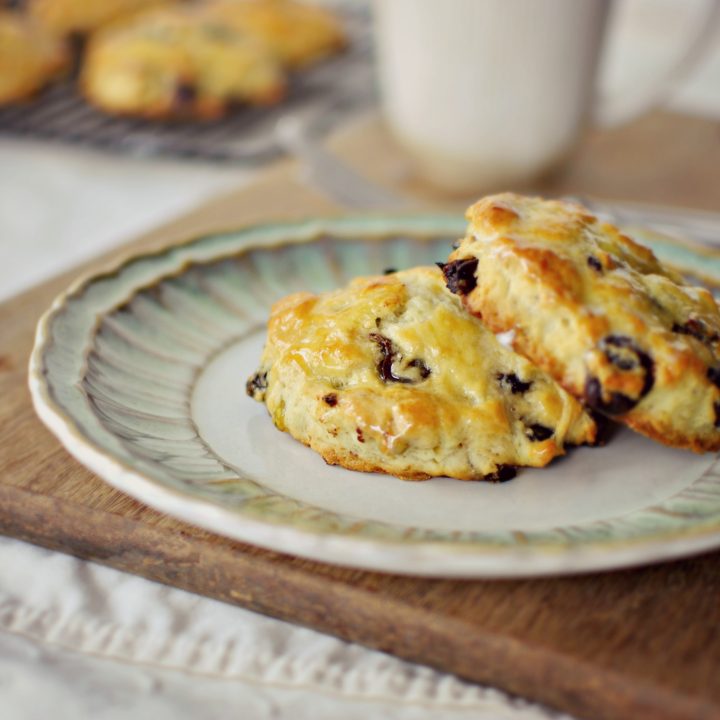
point(91, 153)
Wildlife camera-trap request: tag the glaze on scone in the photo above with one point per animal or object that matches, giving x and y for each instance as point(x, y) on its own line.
point(299, 34)
point(172, 63)
point(391, 374)
point(29, 57)
point(598, 312)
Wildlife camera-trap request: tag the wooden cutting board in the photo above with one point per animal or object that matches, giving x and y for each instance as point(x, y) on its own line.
point(633, 644)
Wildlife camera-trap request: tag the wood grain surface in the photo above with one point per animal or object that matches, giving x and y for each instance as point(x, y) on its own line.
point(637, 644)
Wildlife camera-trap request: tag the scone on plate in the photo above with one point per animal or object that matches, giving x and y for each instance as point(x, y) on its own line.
point(172, 63)
point(299, 34)
point(391, 374)
point(29, 57)
point(79, 17)
point(598, 312)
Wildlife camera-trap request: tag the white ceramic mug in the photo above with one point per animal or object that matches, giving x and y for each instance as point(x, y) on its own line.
point(489, 94)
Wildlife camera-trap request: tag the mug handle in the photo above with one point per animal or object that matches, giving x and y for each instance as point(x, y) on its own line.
point(625, 105)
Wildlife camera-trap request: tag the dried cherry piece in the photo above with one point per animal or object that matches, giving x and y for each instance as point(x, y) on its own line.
point(618, 404)
point(622, 352)
point(460, 275)
point(626, 356)
point(184, 96)
point(694, 327)
point(257, 383)
point(424, 370)
point(387, 358)
point(512, 381)
point(538, 433)
point(502, 473)
point(713, 375)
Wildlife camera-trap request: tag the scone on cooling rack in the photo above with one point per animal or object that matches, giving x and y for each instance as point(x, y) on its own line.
point(172, 63)
point(390, 374)
point(29, 57)
point(598, 312)
point(79, 17)
point(299, 34)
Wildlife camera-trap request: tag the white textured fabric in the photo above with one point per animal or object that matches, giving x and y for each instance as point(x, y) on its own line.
point(231, 655)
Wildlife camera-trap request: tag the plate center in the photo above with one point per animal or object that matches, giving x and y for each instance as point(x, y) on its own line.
point(590, 484)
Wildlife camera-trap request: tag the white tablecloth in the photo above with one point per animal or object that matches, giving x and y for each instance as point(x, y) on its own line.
point(81, 641)
point(141, 649)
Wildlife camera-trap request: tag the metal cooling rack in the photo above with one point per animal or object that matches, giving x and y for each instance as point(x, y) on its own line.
point(322, 97)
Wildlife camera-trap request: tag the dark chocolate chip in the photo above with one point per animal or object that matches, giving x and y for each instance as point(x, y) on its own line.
point(460, 275)
point(512, 381)
point(716, 408)
point(330, 399)
point(538, 433)
point(713, 375)
point(502, 473)
point(387, 358)
point(377, 322)
point(360, 436)
point(257, 383)
point(421, 366)
point(594, 263)
point(389, 271)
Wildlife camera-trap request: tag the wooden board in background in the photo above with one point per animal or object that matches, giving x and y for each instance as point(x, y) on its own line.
point(636, 644)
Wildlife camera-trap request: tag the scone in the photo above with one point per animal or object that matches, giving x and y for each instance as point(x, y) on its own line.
point(299, 34)
point(29, 57)
point(173, 64)
point(598, 312)
point(391, 374)
point(79, 17)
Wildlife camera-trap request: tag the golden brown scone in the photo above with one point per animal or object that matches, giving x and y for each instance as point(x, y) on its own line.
point(598, 312)
point(299, 34)
point(66, 17)
point(391, 374)
point(171, 63)
point(29, 57)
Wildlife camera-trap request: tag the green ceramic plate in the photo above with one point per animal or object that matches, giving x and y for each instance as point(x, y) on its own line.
point(140, 372)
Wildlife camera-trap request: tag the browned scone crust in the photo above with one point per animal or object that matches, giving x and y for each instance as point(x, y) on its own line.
point(299, 34)
point(79, 17)
point(175, 63)
point(391, 374)
point(598, 312)
point(30, 57)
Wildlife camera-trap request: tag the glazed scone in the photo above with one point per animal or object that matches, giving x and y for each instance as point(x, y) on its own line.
point(173, 64)
point(299, 34)
point(391, 374)
point(79, 17)
point(598, 312)
point(29, 57)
